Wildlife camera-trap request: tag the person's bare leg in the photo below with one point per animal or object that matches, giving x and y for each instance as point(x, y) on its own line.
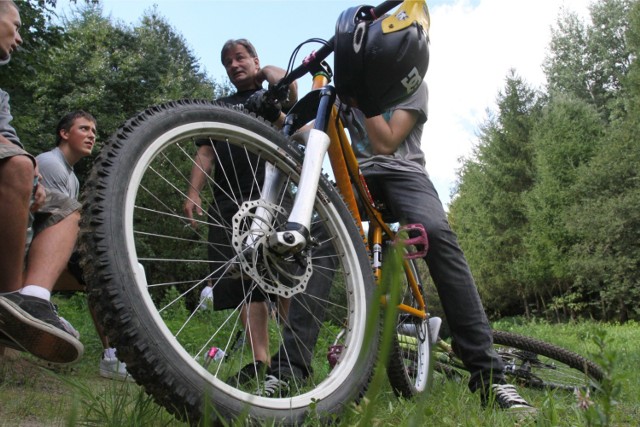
point(99, 329)
point(16, 186)
point(50, 252)
point(255, 317)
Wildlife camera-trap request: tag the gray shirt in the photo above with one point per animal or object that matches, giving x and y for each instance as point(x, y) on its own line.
point(57, 174)
point(6, 129)
point(409, 155)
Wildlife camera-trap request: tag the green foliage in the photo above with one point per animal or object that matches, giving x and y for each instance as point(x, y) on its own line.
point(39, 34)
point(106, 68)
point(589, 61)
point(565, 139)
point(117, 404)
point(489, 212)
point(546, 209)
point(81, 397)
point(601, 413)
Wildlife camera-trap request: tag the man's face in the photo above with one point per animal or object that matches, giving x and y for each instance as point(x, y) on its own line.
point(9, 26)
point(241, 67)
point(81, 137)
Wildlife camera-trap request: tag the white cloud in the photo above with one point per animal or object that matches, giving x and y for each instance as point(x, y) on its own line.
point(473, 47)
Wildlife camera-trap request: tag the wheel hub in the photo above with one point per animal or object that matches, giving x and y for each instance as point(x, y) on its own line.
point(284, 275)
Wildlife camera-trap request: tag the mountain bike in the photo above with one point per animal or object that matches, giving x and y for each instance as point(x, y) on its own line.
point(145, 264)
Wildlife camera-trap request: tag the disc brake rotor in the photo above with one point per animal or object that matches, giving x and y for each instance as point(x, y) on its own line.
point(276, 274)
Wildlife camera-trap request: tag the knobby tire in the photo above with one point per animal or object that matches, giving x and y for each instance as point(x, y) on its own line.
point(145, 267)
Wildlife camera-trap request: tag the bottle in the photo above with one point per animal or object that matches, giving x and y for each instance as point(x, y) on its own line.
point(214, 353)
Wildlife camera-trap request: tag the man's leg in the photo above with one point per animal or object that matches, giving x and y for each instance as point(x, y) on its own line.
point(55, 232)
point(50, 252)
point(255, 318)
point(16, 186)
point(306, 313)
point(412, 198)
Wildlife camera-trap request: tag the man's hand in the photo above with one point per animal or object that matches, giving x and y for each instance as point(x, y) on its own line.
point(39, 197)
point(272, 75)
point(39, 193)
point(260, 104)
point(192, 203)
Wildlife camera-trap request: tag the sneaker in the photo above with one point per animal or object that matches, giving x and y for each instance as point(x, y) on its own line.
point(206, 298)
point(505, 396)
point(31, 324)
point(274, 387)
point(248, 373)
point(113, 369)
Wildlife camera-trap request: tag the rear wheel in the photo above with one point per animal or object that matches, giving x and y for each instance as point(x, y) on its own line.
point(537, 364)
point(409, 365)
point(146, 269)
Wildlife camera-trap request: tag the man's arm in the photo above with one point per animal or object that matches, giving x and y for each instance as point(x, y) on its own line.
point(386, 137)
point(273, 75)
point(202, 167)
point(8, 134)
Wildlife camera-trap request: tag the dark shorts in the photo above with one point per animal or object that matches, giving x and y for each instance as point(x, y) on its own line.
point(230, 289)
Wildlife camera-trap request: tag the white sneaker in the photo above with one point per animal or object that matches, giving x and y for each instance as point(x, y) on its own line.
point(112, 368)
point(206, 298)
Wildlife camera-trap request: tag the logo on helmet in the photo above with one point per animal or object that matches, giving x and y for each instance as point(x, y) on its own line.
point(412, 81)
point(358, 36)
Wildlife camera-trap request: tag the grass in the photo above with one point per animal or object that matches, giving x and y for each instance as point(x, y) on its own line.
point(34, 396)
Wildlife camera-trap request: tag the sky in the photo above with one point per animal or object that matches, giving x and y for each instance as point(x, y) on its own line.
point(474, 44)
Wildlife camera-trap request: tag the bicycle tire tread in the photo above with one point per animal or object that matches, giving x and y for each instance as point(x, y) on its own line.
point(552, 351)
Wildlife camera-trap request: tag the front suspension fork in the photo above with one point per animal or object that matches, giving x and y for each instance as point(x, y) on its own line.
point(295, 235)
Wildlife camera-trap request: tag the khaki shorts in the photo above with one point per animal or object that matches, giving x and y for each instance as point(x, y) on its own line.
point(57, 206)
point(12, 150)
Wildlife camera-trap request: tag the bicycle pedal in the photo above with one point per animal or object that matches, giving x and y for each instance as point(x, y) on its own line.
point(434, 324)
point(415, 242)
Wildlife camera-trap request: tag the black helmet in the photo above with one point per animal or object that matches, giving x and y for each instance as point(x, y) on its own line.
point(380, 62)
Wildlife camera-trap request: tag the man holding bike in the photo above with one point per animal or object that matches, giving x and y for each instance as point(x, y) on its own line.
point(243, 68)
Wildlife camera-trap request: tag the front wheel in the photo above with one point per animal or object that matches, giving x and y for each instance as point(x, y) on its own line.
point(148, 268)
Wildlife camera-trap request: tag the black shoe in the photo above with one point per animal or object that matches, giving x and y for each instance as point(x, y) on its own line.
point(274, 387)
point(252, 372)
point(505, 396)
point(31, 324)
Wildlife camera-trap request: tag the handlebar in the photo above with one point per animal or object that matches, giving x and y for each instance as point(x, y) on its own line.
point(313, 60)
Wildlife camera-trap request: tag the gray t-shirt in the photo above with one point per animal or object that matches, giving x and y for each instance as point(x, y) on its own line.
point(6, 129)
point(57, 174)
point(409, 156)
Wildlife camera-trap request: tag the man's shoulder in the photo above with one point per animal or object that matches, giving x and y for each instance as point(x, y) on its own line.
point(46, 156)
point(50, 160)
